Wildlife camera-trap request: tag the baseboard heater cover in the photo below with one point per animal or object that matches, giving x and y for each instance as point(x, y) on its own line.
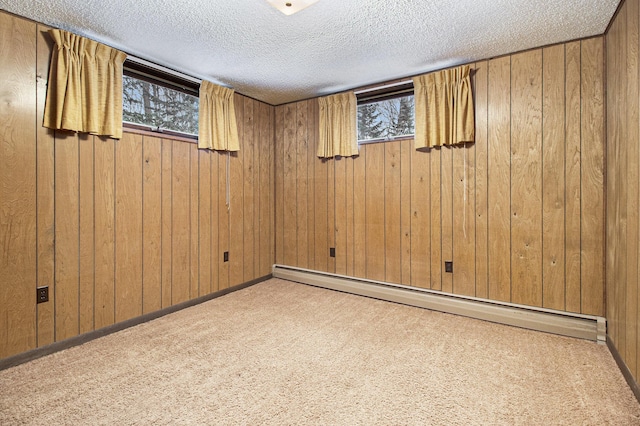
point(587, 327)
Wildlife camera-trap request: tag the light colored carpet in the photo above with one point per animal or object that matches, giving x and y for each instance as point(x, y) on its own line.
point(284, 353)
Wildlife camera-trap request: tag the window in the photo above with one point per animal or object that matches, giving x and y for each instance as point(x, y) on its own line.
point(386, 113)
point(159, 101)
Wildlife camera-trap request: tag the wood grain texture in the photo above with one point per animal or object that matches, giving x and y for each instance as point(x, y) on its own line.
point(249, 203)
point(194, 225)
point(167, 219)
point(499, 189)
point(45, 209)
point(349, 216)
point(18, 185)
point(204, 222)
point(279, 185)
point(67, 236)
point(223, 220)
point(290, 255)
point(331, 213)
point(86, 223)
point(526, 178)
point(151, 224)
point(321, 205)
point(214, 188)
point(573, 147)
point(359, 213)
point(480, 85)
point(104, 210)
point(128, 226)
point(392, 211)
point(592, 223)
point(340, 230)
point(446, 215)
point(405, 211)
point(420, 205)
point(312, 160)
point(302, 186)
point(435, 199)
point(375, 249)
point(553, 174)
point(463, 215)
point(180, 222)
point(236, 212)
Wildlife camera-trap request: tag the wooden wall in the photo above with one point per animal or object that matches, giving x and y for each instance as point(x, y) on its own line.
point(116, 229)
point(520, 212)
point(623, 181)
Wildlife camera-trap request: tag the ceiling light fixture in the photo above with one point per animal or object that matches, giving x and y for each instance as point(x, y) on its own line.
point(289, 7)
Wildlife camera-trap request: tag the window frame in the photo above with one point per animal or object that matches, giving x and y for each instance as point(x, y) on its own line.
point(383, 93)
point(164, 77)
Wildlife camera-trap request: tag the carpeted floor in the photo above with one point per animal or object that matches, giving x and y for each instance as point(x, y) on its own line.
point(284, 353)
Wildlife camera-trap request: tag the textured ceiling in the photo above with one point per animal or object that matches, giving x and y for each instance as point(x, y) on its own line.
point(330, 46)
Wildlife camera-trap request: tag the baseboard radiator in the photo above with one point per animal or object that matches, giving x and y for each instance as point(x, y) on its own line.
point(551, 321)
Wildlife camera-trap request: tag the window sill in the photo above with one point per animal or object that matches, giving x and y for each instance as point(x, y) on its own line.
point(147, 131)
point(396, 139)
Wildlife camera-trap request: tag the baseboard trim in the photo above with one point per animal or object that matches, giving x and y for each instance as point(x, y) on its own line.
point(626, 373)
point(551, 321)
point(92, 335)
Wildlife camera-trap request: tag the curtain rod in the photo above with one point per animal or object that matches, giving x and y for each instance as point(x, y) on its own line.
point(163, 69)
point(371, 89)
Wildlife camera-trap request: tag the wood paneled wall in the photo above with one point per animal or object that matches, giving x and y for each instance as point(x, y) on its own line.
point(117, 229)
point(520, 212)
point(623, 181)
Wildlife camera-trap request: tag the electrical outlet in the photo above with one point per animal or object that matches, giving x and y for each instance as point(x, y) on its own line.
point(226, 256)
point(448, 266)
point(332, 252)
point(42, 294)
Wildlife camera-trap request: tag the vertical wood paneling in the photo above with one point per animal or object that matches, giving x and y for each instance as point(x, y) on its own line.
point(499, 198)
point(223, 220)
point(87, 250)
point(289, 192)
point(359, 213)
point(204, 222)
point(167, 219)
point(480, 85)
point(526, 178)
point(151, 224)
point(405, 213)
point(104, 210)
point(67, 236)
point(553, 174)
point(464, 220)
point(45, 195)
point(321, 203)
point(435, 189)
point(572, 192)
point(216, 207)
point(236, 216)
point(18, 185)
point(180, 221)
point(302, 211)
point(249, 202)
point(392, 208)
point(592, 224)
point(375, 249)
point(349, 163)
point(114, 228)
point(279, 185)
point(331, 213)
point(340, 230)
point(420, 218)
point(446, 213)
point(128, 225)
point(194, 225)
point(312, 134)
point(632, 116)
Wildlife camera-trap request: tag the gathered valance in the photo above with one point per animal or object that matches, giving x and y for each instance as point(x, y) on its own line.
point(84, 93)
point(444, 108)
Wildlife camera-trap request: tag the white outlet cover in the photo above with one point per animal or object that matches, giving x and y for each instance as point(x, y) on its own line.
point(289, 7)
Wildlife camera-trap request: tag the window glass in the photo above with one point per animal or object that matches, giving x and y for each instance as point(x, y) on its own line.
point(386, 119)
point(159, 107)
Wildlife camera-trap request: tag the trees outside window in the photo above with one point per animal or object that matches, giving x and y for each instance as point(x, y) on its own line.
point(386, 119)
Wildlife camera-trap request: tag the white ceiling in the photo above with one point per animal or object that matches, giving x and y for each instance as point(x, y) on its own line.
point(330, 46)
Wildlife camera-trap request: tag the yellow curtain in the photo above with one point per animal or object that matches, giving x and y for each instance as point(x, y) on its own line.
point(217, 128)
point(338, 126)
point(84, 93)
point(444, 108)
